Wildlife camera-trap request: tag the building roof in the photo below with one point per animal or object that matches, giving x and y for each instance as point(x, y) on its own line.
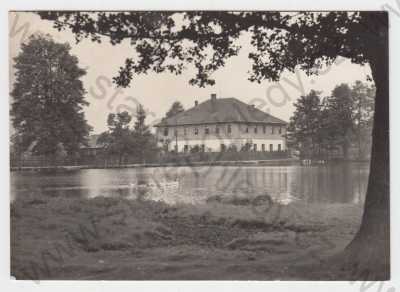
point(92, 142)
point(221, 110)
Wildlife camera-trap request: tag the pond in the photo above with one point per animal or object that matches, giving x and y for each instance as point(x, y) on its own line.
point(339, 183)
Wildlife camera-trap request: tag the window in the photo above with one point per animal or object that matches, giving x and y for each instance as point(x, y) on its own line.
point(247, 129)
point(272, 129)
point(280, 130)
point(176, 132)
point(255, 147)
point(263, 147)
point(271, 147)
point(186, 148)
point(229, 129)
point(184, 131)
point(222, 147)
point(264, 129)
point(206, 131)
point(216, 130)
point(196, 131)
point(202, 147)
point(165, 131)
point(255, 130)
point(279, 147)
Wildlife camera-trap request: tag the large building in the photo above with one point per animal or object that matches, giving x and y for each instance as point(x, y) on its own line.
point(219, 124)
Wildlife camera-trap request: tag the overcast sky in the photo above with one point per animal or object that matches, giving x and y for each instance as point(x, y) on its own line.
point(158, 91)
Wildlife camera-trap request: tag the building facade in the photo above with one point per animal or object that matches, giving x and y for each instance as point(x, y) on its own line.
point(222, 124)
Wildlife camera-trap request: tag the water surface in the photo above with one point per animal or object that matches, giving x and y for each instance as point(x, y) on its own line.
point(340, 183)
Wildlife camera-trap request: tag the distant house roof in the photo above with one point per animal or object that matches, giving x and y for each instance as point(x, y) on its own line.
point(221, 110)
point(92, 142)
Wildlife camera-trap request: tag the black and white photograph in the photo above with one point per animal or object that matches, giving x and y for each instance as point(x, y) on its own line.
point(199, 145)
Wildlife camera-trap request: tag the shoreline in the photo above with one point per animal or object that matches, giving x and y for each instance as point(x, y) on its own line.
point(272, 162)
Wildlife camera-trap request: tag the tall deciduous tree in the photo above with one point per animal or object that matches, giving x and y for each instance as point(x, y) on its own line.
point(122, 141)
point(281, 41)
point(48, 98)
point(118, 140)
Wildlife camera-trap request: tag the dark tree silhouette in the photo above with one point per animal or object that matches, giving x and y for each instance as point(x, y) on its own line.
point(145, 144)
point(170, 41)
point(339, 106)
point(175, 109)
point(48, 98)
point(304, 128)
point(118, 139)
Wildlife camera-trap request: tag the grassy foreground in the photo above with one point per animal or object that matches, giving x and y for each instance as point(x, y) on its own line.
point(231, 239)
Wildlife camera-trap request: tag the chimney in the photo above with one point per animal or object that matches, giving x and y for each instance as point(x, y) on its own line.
point(213, 96)
point(196, 103)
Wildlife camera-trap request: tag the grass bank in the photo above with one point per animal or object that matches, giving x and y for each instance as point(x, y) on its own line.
point(116, 238)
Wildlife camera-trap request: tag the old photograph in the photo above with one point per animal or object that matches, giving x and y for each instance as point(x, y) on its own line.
point(199, 145)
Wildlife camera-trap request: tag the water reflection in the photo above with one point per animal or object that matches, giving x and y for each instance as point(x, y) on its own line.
point(341, 183)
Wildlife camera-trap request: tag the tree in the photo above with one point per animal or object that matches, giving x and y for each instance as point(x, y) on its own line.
point(175, 109)
point(281, 41)
point(338, 110)
point(363, 109)
point(319, 126)
point(304, 128)
point(122, 141)
point(47, 112)
point(118, 140)
point(145, 143)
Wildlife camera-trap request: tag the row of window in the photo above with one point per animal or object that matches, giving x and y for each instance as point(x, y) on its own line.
point(229, 130)
point(223, 147)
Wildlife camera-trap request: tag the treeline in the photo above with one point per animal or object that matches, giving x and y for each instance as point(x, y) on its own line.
point(48, 118)
point(335, 126)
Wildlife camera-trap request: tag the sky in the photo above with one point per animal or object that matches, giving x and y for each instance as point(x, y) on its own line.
point(157, 92)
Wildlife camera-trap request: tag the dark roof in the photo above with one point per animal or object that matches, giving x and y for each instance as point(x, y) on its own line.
point(221, 110)
point(92, 142)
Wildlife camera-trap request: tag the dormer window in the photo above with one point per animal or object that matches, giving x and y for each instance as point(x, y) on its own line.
point(165, 131)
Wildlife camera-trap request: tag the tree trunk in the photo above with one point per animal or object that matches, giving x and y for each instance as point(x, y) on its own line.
point(369, 252)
